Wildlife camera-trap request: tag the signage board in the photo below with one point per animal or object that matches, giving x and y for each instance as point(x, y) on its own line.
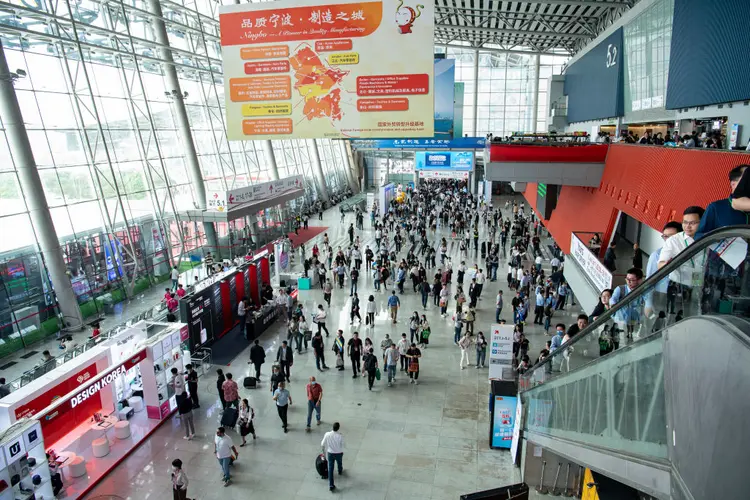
point(516, 439)
point(444, 160)
point(503, 418)
point(221, 201)
point(417, 144)
point(501, 352)
point(445, 76)
point(443, 174)
point(296, 69)
point(590, 264)
point(49, 396)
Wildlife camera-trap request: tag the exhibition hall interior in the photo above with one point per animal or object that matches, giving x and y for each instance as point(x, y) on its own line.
point(374, 250)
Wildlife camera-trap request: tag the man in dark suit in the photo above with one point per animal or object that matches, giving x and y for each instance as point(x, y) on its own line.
point(285, 357)
point(257, 357)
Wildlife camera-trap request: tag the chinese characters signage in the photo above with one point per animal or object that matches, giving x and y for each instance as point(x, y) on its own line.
point(501, 352)
point(221, 201)
point(336, 70)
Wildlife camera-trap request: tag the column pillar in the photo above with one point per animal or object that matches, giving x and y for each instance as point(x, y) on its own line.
point(348, 170)
point(535, 106)
point(271, 157)
point(353, 165)
point(36, 201)
point(183, 124)
point(476, 89)
point(318, 168)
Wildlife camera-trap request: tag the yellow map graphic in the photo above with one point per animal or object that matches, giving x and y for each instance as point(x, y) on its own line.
point(316, 82)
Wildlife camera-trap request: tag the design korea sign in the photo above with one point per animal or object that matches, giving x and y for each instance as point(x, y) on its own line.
point(301, 70)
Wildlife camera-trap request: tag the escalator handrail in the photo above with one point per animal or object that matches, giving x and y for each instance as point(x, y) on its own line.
point(709, 239)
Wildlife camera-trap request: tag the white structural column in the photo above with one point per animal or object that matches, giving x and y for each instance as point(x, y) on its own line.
point(348, 166)
point(183, 124)
point(36, 201)
point(535, 107)
point(318, 168)
point(476, 89)
point(271, 158)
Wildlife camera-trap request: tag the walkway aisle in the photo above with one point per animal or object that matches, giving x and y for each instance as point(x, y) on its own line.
point(418, 442)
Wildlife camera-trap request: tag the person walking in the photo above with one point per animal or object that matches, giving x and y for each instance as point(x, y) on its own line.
point(231, 392)
point(481, 345)
point(285, 358)
point(318, 349)
point(225, 453)
point(276, 376)
point(327, 290)
point(465, 345)
point(424, 289)
point(314, 398)
point(257, 357)
point(338, 348)
point(403, 346)
point(385, 344)
point(192, 382)
point(393, 304)
point(242, 315)
point(414, 326)
point(469, 320)
point(354, 350)
point(354, 311)
point(369, 366)
point(220, 378)
point(457, 326)
point(320, 318)
point(333, 447)
point(178, 384)
point(179, 481)
point(283, 402)
point(413, 355)
point(370, 310)
point(246, 416)
point(185, 409)
point(498, 306)
point(391, 362)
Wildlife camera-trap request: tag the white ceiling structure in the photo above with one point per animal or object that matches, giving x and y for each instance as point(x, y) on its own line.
point(533, 26)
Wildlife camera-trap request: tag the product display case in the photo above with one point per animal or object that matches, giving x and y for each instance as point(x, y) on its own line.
point(165, 351)
point(25, 473)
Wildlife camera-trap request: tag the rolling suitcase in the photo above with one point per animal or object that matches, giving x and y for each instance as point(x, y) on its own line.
point(250, 383)
point(321, 465)
point(229, 417)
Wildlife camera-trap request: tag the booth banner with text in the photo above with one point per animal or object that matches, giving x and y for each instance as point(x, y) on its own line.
point(501, 352)
point(220, 201)
point(330, 69)
point(590, 264)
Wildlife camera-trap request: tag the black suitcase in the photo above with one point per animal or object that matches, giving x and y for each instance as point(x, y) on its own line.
point(250, 383)
point(229, 417)
point(321, 465)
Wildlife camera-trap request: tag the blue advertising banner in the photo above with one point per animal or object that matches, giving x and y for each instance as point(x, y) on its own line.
point(419, 144)
point(444, 160)
point(445, 76)
point(503, 420)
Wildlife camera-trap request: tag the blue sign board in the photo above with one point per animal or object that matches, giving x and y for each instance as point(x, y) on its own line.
point(417, 144)
point(444, 160)
point(445, 70)
point(503, 416)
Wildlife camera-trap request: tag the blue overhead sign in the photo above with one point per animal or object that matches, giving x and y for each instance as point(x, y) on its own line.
point(458, 143)
point(444, 160)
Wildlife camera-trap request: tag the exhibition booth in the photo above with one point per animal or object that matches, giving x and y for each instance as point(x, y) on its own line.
point(24, 472)
point(105, 403)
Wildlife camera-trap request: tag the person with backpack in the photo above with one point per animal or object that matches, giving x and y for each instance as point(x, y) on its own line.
point(370, 366)
point(338, 348)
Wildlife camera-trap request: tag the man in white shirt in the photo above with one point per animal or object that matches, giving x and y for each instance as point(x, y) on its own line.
point(241, 311)
point(175, 277)
point(690, 274)
point(480, 282)
point(538, 263)
point(519, 276)
point(555, 263)
point(178, 384)
point(224, 448)
point(670, 229)
point(333, 447)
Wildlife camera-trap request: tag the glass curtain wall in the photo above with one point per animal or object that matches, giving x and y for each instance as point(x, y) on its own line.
point(102, 125)
point(505, 89)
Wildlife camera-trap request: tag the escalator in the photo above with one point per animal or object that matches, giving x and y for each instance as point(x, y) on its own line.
point(666, 411)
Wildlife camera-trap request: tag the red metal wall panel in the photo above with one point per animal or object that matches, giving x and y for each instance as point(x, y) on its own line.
point(593, 153)
point(650, 184)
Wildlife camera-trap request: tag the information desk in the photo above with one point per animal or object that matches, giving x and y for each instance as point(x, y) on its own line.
point(259, 323)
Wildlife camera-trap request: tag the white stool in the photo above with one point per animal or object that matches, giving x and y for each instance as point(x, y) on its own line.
point(136, 403)
point(100, 447)
point(77, 466)
point(122, 429)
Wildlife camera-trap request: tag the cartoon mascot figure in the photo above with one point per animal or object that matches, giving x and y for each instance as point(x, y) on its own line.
point(405, 17)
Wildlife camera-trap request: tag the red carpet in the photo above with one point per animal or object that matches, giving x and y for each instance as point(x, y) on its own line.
point(304, 236)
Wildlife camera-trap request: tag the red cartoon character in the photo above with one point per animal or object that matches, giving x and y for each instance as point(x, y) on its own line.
point(405, 17)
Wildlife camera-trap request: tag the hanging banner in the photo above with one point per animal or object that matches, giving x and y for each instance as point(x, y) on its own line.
point(501, 352)
point(225, 200)
point(445, 76)
point(458, 109)
point(336, 69)
point(444, 160)
point(419, 144)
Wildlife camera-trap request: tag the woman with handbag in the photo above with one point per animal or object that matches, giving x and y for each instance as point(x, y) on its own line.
point(413, 355)
point(424, 335)
point(246, 416)
point(370, 309)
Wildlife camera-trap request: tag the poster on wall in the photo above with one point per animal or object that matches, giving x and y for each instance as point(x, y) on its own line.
point(590, 264)
point(445, 76)
point(301, 70)
point(501, 352)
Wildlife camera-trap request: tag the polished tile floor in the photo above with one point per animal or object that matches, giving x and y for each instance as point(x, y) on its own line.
point(404, 442)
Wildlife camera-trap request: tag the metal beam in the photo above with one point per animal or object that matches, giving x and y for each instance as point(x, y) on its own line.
point(608, 4)
point(482, 29)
